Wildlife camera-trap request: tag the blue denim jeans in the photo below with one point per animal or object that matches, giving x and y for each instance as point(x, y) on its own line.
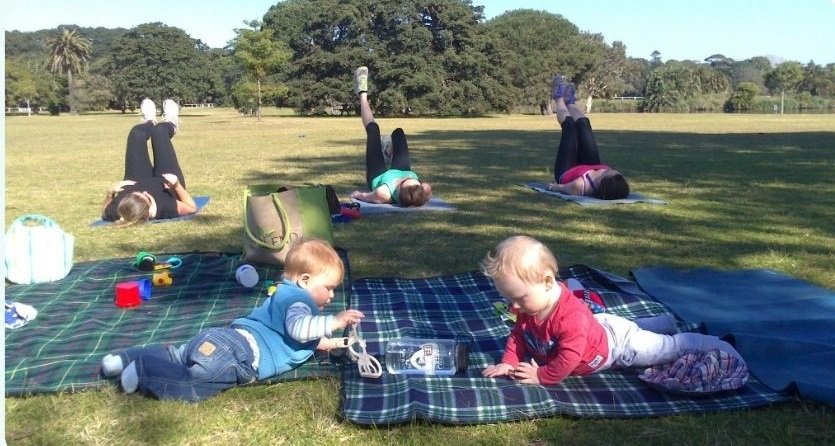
point(213, 361)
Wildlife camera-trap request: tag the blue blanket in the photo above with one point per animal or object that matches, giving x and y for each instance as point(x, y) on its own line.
point(583, 200)
point(461, 307)
point(201, 201)
point(782, 326)
point(434, 204)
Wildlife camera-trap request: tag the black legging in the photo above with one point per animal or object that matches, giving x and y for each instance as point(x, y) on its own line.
point(138, 164)
point(375, 163)
point(577, 146)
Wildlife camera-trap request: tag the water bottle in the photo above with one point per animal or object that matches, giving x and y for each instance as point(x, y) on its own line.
point(412, 356)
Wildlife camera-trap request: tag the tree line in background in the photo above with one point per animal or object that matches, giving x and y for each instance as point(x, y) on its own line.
point(426, 58)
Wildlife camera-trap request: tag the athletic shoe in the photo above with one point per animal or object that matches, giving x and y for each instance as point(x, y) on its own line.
point(361, 80)
point(387, 148)
point(148, 110)
point(558, 89)
point(171, 113)
point(569, 94)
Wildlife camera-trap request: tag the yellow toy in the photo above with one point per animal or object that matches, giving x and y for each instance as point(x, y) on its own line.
point(163, 278)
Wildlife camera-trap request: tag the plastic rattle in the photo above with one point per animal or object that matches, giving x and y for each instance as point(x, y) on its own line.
point(368, 366)
point(146, 261)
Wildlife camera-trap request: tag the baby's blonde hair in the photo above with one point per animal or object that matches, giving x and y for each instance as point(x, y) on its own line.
point(314, 257)
point(521, 256)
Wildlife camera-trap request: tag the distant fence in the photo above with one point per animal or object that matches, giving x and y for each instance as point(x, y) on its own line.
point(628, 98)
point(21, 110)
point(203, 105)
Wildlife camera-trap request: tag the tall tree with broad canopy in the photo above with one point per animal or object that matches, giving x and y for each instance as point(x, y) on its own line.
point(26, 86)
point(423, 58)
point(818, 80)
point(751, 70)
point(533, 46)
point(68, 53)
point(785, 77)
point(158, 61)
point(607, 70)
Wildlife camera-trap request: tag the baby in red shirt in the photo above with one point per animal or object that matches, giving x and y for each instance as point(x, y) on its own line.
point(559, 333)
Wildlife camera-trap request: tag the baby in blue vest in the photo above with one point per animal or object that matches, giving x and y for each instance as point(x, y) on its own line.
point(276, 337)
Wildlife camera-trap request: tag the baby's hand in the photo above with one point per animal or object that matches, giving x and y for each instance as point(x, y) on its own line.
point(526, 373)
point(501, 369)
point(347, 317)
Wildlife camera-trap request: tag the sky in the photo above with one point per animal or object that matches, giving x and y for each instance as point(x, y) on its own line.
point(798, 30)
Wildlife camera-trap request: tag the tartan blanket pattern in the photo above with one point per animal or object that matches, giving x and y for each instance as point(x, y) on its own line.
point(460, 306)
point(78, 323)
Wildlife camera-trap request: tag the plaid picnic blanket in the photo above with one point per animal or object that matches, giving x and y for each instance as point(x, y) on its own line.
point(461, 307)
point(77, 322)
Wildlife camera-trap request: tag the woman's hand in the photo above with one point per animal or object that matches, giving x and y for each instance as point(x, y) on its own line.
point(368, 197)
point(573, 188)
point(171, 180)
point(118, 187)
point(185, 202)
point(501, 369)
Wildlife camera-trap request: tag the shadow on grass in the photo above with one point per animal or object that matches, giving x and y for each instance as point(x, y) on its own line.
point(733, 198)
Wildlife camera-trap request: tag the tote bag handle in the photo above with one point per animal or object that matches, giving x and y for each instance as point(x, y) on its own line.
point(282, 216)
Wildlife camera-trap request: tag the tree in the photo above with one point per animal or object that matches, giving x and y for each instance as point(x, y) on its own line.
point(23, 85)
point(785, 77)
point(532, 46)
point(158, 61)
point(635, 75)
point(720, 63)
point(743, 97)
point(606, 73)
point(93, 92)
point(817, 80)
point(750, 70)
point(424, 58)
point(655, 58)
point(260, 56)
point(68, 53)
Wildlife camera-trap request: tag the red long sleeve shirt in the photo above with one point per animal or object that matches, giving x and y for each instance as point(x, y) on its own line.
point(568, 342)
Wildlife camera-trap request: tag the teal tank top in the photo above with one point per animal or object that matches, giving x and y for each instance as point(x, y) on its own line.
point(389, 178)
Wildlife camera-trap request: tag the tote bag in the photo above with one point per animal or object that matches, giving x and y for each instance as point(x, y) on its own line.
point(273, 220)
point(37, 250)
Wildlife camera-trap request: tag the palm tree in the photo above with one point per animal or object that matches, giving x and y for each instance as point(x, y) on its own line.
point(68, 54)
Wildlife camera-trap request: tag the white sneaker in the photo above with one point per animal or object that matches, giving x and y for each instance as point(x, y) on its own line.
point(171, 113)
point(148, 110)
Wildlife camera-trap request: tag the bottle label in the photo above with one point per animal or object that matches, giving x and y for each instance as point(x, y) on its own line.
point(425, 359)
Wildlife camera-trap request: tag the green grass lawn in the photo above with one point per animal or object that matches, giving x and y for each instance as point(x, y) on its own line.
point(744, 191)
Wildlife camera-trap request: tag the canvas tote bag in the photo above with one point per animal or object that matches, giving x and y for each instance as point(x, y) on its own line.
point(273, 220)
point(37, 250)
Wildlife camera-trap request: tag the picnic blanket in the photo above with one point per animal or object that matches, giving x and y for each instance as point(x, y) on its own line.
point(591, 201)
point(782, 326)
point(201, 201)
point(434, 204)
point(78, 323)
point(460, 307)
